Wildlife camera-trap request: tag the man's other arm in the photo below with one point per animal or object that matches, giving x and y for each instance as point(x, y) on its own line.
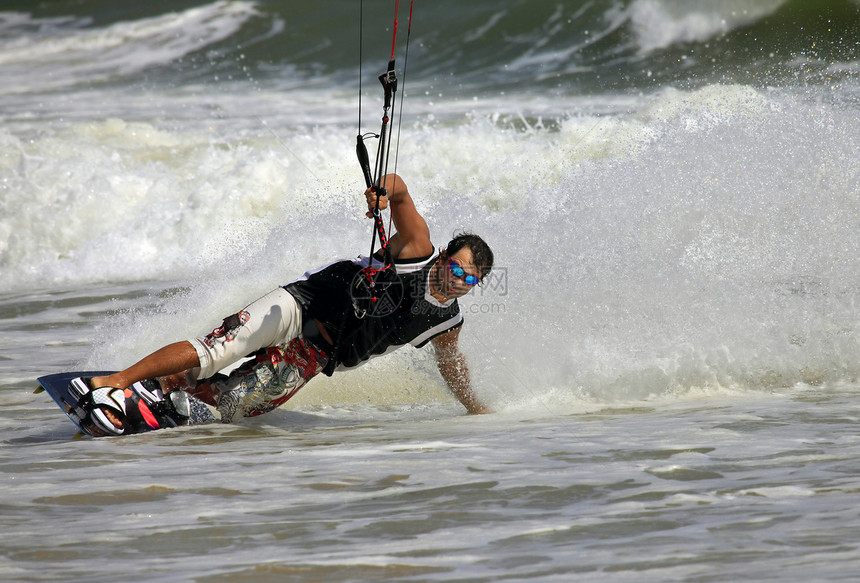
point(452, 366)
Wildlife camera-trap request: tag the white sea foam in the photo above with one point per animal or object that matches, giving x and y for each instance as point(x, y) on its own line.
point(662, 23)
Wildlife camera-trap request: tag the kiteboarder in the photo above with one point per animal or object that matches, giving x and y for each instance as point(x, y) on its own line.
point(332, 318)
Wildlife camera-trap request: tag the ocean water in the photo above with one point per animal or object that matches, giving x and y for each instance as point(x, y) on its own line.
point(670, 341)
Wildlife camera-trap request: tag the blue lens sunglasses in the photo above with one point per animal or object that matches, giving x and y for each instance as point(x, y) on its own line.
point(460, 273)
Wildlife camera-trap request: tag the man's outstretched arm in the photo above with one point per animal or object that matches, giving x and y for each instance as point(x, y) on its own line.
point(452, 365)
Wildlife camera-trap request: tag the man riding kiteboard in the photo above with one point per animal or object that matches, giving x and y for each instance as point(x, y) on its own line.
point(332, 318)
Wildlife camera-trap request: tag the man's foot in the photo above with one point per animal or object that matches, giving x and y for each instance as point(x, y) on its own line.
point(105, 406)
point(99, 383)
point(113, 419)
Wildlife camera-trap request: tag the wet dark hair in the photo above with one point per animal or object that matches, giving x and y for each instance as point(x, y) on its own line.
point(482, 255)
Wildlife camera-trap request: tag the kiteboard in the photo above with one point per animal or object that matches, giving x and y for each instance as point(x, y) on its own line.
point(146, 407)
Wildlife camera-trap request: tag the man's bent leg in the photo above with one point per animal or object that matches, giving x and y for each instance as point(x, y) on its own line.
point(171, 359)
point(272, 320)
point(275, 375)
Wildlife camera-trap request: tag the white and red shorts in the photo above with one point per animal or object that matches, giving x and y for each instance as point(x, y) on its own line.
point(270, 329)
point(273, 320)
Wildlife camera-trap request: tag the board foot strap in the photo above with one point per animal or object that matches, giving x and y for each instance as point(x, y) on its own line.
point(139, 408)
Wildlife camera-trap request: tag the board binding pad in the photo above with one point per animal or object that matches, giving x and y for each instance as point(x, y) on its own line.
point(146, 406)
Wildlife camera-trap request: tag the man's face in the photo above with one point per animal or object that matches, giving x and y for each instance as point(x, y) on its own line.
point(451, 285)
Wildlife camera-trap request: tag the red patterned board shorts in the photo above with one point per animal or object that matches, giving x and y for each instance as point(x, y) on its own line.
point(264, 383)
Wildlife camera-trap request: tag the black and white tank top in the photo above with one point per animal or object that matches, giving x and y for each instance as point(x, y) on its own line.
point(405, 312)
